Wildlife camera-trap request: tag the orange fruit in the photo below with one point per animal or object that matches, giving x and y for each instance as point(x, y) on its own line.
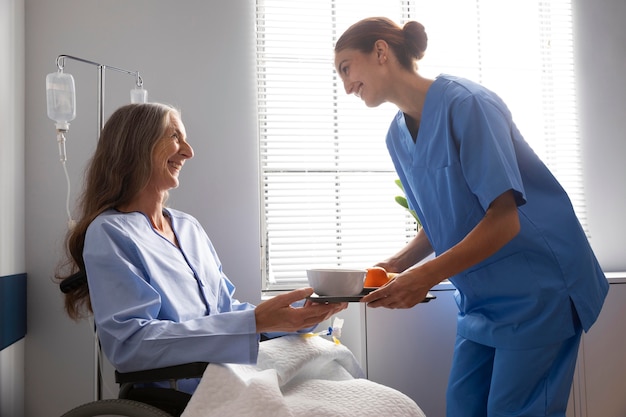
point(375, 277)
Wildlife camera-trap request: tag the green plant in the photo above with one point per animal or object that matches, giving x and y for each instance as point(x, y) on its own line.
point(401, 199)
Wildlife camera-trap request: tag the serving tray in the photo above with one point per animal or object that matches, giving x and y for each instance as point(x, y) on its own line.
point(352, 298)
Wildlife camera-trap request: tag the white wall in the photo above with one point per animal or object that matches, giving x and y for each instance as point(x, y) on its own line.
point(199, 55)
point(12, 259)
point(600, 36)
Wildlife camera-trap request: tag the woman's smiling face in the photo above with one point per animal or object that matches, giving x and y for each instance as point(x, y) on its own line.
point(361, 76)
point(169, 155)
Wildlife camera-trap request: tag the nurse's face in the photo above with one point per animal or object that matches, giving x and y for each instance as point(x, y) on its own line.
point(361, 75)
point(169, 155)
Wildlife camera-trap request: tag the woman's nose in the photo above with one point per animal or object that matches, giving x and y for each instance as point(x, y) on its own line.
point(347, 86)
point(186, 150)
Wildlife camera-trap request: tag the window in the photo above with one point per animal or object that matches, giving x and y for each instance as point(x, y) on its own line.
point(327, 182)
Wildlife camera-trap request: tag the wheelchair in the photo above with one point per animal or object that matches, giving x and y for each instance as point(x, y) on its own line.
point(136, 398)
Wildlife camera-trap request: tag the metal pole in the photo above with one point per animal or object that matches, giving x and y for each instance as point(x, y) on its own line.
point(99, 124)
point(101, 76)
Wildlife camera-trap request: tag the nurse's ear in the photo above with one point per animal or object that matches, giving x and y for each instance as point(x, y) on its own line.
point(382, 49)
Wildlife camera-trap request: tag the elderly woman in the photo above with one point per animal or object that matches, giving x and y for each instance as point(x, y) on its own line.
point(156, 287)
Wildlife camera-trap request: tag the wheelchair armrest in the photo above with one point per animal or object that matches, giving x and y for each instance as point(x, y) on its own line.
point(168, 373)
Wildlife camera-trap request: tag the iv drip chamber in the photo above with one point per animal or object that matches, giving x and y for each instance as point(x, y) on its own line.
point(61, 99)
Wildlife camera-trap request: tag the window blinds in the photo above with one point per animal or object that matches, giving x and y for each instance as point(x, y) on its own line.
point(327, 182)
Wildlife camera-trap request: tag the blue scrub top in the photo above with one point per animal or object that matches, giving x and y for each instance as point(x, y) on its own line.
point(467, 153)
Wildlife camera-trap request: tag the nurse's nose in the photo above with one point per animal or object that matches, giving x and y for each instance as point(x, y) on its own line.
point(349, 87)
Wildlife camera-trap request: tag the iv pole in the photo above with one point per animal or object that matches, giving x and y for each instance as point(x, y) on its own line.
point(101, 76)
point(100, 122)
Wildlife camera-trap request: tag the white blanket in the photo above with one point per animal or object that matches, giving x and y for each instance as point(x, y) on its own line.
point(296, 376)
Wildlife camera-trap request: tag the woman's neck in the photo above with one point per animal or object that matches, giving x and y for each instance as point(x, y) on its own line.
point(151, 206)
point(410, 95)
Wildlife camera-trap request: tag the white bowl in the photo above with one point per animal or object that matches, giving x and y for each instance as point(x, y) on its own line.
point(336, 282)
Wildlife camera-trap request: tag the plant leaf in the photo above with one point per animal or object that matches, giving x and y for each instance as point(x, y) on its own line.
point(402, 201)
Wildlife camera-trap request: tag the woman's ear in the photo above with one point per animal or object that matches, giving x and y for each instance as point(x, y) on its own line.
point(382, 48)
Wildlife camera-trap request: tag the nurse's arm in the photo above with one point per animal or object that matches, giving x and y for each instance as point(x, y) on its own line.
point(416, 250)
point(496, 229)
point(499, 225)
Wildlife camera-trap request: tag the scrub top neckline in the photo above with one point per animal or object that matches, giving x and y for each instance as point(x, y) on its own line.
point(407, 140)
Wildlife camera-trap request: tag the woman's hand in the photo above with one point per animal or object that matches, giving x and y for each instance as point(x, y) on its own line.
point(278, 315)
point(404, 291)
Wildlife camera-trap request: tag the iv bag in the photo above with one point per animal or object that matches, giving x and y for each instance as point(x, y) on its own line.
point(61, 97)
point(138, 95)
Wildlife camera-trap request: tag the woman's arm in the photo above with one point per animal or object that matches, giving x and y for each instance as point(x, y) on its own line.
point(416, 250)
point(499, 225)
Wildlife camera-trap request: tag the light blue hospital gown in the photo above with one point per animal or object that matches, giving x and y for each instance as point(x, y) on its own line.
point(156, 305)
point(467, 153)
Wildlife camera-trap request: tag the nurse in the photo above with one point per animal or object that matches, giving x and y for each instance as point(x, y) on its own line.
point(502, 228)
point(156, 287)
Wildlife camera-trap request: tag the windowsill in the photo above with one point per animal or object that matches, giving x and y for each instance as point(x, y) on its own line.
point(616, 277)
point(613, 278)
point(266, 295)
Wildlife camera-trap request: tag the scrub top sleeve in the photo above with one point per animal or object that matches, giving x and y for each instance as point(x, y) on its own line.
point(483, 131)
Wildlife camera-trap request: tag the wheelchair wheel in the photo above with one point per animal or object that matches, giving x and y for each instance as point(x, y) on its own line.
point(116, 408)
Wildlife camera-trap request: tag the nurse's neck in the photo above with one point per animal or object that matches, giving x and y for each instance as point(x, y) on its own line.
point(410, 97)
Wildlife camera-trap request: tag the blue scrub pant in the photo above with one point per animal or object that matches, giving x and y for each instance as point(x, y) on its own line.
point(491, 382)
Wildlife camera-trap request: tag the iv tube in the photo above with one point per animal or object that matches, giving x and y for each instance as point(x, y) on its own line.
point(70, 222)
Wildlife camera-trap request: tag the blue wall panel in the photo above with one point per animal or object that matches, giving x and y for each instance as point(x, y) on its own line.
point(12, 309)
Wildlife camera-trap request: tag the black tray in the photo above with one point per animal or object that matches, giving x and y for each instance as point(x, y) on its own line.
point(353, 298)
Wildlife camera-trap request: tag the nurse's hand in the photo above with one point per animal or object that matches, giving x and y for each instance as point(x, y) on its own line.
point(278, 315)
point(404, 291)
